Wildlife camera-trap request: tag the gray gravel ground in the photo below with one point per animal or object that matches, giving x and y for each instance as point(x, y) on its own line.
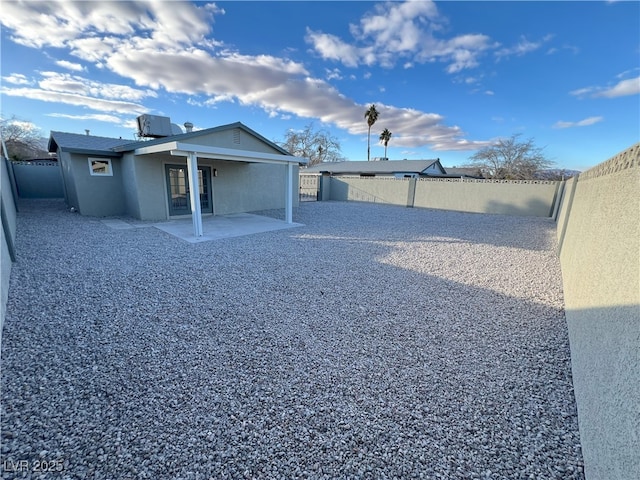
point(374, 342)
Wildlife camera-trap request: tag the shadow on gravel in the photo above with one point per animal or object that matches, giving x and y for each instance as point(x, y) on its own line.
point(130, 354)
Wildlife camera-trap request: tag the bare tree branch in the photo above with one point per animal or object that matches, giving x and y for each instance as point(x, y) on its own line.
point(510, 159)
point(316, 145)
point(23, 140)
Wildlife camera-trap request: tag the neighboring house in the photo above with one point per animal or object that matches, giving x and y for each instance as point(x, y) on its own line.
point(238, 170)
point(464, 172)
point(393, 168)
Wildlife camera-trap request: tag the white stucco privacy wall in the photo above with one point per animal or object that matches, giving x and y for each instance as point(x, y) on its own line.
point(599, 242)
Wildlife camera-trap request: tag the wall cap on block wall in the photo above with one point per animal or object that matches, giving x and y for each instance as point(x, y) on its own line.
point(629, 158)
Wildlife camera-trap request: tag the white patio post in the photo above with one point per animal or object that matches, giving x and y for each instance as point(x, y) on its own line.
point(194, 193)
point(288, 201)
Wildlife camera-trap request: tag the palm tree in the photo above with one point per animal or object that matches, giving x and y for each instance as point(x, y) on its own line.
point(371, 115)
point(385, 136)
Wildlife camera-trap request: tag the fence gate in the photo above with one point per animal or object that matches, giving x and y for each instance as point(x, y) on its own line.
point(309, 187)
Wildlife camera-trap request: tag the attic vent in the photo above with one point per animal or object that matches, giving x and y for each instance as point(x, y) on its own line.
point(236, 136)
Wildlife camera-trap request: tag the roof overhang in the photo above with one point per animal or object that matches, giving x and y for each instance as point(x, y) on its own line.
point(181, 149)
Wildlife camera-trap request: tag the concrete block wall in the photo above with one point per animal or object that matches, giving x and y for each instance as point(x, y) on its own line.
point(388, 190)
point(599, 248)
point(536, 198)
point(509, 197)
point(38, 179)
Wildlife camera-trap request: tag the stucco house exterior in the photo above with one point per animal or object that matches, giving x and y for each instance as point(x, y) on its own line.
point(238, 170)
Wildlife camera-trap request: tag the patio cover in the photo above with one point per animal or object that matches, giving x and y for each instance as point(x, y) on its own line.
point(193, 151)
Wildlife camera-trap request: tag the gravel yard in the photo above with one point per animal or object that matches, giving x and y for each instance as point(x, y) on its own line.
point(373, 342)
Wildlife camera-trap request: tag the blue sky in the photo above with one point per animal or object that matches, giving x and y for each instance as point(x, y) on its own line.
point(447, 77)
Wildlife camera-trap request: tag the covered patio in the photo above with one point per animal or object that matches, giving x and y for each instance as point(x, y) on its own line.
point(213, 227)
point(192, 152)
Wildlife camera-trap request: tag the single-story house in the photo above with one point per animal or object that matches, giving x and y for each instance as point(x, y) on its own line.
point(385, 168)
point(391, 168)
point(238, 170)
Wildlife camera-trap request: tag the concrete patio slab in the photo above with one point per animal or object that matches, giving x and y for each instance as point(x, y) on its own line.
point(224, 226)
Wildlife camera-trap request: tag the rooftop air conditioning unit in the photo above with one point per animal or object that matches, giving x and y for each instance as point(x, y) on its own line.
point(154, 126)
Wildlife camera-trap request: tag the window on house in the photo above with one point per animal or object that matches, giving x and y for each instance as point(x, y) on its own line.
point(100, 167)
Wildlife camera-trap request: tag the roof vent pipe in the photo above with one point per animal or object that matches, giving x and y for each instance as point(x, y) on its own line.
point(86, 130)
point(188, 126)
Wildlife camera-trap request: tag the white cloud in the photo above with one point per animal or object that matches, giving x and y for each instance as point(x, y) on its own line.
point(59, 24)
point(17, 79)
point(75, 99)
point(581, 123)
point(76, 67)
point(571, 48)
point(630, 86)
point(334, 74)
point(166, 46)
point(93, 116)
point(403, 32)
point(522, 47)
point(63, 82)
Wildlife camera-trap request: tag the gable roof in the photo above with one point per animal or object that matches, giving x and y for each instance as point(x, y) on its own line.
point(91, 144)
point(181, 137)
point(388, 167)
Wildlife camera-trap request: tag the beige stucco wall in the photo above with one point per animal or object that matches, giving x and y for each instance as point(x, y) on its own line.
point(599, 241)
point(527, 197)
point(234, 138)
point(501, 197)
point(388, 190)
point(247, 187)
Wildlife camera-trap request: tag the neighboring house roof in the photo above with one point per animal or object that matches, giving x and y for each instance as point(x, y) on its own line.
point(386, 167)
point(470, 172)
point(91, 144)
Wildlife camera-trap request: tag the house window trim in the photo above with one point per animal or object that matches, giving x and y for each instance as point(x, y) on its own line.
point(109, 172)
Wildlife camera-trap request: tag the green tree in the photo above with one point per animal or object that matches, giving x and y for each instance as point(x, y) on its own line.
point(385, 136)
point(510, 159)
point(371, 115)
point(316, 145)
point(22, 139)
